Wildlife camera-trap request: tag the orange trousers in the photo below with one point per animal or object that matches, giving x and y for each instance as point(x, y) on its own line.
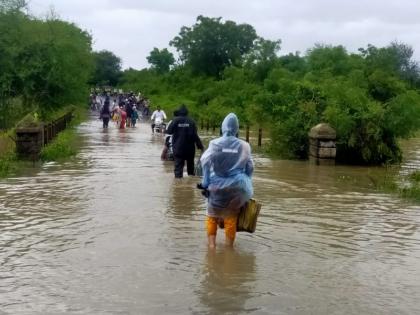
point(230, 226)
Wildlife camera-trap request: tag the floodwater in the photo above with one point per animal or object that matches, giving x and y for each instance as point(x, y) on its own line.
point(112, 232)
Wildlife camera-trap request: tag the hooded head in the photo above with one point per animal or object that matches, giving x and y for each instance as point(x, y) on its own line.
point(183, 111)
point(176, 113)
point(230, 125)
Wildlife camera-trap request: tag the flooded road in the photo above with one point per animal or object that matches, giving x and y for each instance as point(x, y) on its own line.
point(112, 232)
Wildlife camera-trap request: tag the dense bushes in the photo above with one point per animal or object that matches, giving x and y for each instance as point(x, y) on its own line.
point(44, 64)
point(371, 97)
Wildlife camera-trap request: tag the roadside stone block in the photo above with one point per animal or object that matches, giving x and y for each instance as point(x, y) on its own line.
point(29, 142)
point(322, 142)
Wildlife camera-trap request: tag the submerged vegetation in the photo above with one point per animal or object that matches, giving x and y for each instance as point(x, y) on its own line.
point(406, 186)
point(412, 188)
point(8, 160)
point(8, 164)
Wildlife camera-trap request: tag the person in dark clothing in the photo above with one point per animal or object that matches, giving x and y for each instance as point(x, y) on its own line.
point(105, 113)
point(129, 111)
point(184, 140)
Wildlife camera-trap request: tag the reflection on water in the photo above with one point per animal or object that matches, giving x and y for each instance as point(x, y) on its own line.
point(227, 282)
point(112, 231)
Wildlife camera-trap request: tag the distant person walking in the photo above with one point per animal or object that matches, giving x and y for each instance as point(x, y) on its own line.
point(105, 114)
point(129, 111)
point(134, 116)
point(123, 118)
point(184, 140)
point(227, 170)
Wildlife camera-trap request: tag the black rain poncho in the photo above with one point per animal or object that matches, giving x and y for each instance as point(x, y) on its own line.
point(184, 135)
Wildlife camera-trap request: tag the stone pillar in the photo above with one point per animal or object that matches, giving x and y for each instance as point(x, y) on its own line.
point(29, 142)
point(322, 144)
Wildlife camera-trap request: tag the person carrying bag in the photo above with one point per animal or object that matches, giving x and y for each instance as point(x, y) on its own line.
point(227, 170)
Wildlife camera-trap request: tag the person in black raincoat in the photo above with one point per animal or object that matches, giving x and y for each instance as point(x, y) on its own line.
point(184, 140)
point(105, 113)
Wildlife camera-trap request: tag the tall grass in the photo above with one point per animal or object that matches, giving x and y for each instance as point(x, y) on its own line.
point(8, 164)
point(63, 146)
point(405, 186)
point(8, 160)
point(412, 188)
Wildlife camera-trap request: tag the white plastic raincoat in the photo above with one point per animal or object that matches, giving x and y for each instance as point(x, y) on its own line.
point(227, 170)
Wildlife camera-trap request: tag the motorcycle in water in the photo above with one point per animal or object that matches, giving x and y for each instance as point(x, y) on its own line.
point(167, 152)
point(159, 126)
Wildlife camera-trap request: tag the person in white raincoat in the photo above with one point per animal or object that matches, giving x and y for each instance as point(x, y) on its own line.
point(227, 169)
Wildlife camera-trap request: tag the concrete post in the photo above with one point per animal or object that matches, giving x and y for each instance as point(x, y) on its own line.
point(322, 144)
point(259, 137)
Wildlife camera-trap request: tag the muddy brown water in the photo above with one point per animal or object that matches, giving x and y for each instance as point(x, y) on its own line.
point(112, 232)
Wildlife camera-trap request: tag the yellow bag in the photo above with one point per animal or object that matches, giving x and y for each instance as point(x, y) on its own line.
point(247, 219)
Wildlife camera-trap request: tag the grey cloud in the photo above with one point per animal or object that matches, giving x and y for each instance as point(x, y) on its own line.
point(132, 28)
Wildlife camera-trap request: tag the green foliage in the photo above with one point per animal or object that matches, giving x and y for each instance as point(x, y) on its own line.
point(395, 59)
point(370, 98)
point(329, 60)
point(210, 45)
point(63, 146)
point(12, 5)
point(107, 69)
point(414, 177)
point(45, 64)
point(369, 109)
point(11, 111)
point(262, 58)
point(8, 164)
point(293, 63)
point(161, 60)
point(406, 186)
point(8, 160)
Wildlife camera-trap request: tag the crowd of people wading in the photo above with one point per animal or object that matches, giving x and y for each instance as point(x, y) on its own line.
point(226, 166)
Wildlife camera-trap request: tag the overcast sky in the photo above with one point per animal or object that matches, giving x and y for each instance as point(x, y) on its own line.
point(132, 28)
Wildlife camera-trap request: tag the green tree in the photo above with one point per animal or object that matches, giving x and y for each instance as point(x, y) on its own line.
point(12, 5)
point(161, 60)
point(263, 57)
point(53, 64)
point(329, 60)
point(44, 64)
point(264, 50)
point(369, 98)
point(396, 59)
point(294, 63)
point(107, 68)
point(210, 45)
